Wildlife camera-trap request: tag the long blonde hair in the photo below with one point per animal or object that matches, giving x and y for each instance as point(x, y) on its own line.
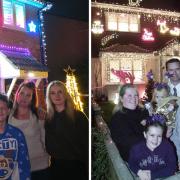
point(69, 105)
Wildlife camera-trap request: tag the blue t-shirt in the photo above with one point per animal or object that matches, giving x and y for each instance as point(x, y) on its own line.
point(14, 158)
point(161, 162)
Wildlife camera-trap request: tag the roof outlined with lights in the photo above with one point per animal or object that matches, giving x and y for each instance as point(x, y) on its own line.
point(21, 58)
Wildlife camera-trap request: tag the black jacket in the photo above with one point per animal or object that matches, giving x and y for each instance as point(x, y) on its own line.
point(66, 139)
point(126, 129)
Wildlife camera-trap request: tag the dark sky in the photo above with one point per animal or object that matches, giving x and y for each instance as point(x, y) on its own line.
point(74, 9)
point(66, 28)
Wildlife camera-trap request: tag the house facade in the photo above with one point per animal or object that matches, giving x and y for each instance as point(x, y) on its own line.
point(133, 40)
point(22, 42)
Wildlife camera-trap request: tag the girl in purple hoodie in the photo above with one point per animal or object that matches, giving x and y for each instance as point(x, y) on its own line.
point(155, 156)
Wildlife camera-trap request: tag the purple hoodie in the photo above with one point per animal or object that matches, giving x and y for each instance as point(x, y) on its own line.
point(161, 162)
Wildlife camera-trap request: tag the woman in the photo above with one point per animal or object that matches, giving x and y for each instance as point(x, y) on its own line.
point(126, 123)
point(66, 135)
point(24, 115)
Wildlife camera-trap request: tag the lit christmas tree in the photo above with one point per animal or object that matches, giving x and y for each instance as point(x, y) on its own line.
point(149, 88)
point(72, 88)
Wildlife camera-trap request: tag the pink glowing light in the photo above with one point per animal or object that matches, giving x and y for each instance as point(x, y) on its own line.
point(147, 36)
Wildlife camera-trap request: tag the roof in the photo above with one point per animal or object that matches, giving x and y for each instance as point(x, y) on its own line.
point(24, 61)
point(35, 3)
point(125, 48)
point(173, 5)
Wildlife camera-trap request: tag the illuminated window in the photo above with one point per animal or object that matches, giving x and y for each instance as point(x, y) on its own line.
point(8, 12)
point(111, 19)
point(13, 14)
point(133, 66)
point(122, 22)
point(20, 17)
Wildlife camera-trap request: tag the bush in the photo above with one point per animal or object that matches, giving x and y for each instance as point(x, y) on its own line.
point(100, 159)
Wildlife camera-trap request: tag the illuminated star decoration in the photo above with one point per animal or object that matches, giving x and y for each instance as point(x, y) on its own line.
point(69, 71)
point(32, 26)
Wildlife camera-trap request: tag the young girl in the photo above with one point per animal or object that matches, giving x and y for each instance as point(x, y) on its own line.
point(154, 157)
point(162, 103)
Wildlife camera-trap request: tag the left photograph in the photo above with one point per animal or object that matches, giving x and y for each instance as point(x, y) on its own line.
point(44, 89)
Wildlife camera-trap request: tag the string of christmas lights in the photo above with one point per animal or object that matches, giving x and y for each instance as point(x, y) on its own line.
point(72, 88)
point(42, 30)
point(148, 14)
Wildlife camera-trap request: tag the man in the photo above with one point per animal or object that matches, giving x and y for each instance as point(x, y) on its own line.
point(14, 159)
point(173, 68)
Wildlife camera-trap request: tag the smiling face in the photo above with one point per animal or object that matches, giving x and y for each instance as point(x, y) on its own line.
point(174, 69)
point(3, 111)
point(153, 137)
point(57, 95)
point(159, 95)
point(24, 96)
point(130, 99)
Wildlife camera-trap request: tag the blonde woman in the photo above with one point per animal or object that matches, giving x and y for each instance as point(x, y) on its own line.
point(126, 123)
point(24, 115)
point(66, 135)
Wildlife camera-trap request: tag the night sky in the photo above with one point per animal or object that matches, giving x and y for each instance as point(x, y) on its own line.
point(66, 28)
point(75, 9)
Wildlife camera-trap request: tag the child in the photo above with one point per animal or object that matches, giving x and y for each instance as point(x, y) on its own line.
point(155, 156)
point(14, 160)
point(162, 103)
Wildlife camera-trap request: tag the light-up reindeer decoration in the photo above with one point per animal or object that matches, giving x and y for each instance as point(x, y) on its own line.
point(123, 76)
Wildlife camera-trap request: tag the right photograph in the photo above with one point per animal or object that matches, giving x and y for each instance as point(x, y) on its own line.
point(135, 89)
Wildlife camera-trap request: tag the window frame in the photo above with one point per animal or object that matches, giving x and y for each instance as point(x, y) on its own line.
point(117, 19)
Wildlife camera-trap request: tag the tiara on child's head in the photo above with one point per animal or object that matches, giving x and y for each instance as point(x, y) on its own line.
point(156, 118)
point(158, 85)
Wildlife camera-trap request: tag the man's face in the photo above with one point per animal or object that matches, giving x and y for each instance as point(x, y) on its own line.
point(174, 70)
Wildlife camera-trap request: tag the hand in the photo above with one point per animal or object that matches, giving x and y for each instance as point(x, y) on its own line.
point(143, 122)
point(41, 114)
point(144, 174)
point(170, 107)
point(178, 165)
point(169, 132)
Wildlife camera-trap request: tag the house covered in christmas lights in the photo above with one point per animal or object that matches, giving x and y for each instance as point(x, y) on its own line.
point(22, 42)
point(131, 39)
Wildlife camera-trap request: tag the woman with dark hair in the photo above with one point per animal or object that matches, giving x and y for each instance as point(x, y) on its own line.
point(66, 135)
point(24, 115)
point(126, 124)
